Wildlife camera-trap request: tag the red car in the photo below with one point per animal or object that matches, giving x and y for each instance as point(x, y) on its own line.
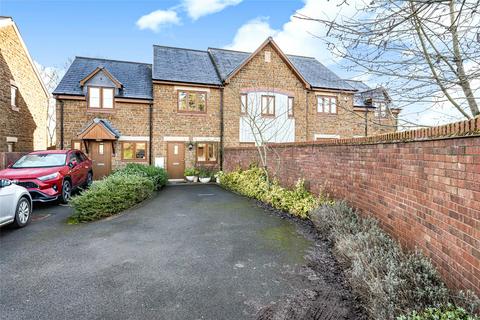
point(51, 175)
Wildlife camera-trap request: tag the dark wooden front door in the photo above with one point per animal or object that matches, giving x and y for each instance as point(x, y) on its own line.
point(176, 160)
point(101, 155)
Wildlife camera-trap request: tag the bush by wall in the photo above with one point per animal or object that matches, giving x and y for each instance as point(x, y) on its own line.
point(254, 183)
point(448, 312)
point(390, 282)
point(157, 175)
point(117, 192)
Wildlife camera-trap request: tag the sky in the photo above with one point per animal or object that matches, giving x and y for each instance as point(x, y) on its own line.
point(55, 31)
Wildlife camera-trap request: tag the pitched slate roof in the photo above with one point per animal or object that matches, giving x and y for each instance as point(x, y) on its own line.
point(227, 61)
point(365, 93)
point(184, 65)
point(215, 65)
point(136, 77)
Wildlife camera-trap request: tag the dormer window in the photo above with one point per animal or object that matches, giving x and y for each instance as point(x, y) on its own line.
point(100, 97)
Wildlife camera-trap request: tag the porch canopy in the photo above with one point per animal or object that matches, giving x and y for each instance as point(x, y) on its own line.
point(98, 130)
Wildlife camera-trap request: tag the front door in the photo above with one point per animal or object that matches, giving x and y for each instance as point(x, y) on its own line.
point(176, 160)
point(101, 155)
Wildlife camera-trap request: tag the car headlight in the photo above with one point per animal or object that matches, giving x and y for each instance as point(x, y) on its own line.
point(48, 176)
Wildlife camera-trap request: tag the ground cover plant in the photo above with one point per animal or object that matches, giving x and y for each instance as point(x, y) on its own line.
point(447, 312)
point(391, 283)
point(117, 192)
point(254, 183)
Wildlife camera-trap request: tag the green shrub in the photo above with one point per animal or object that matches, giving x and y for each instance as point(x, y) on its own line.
point(389, 281)
point(254, 183)
point(190, 172)
point(205, 172)
point(157, 175)
point(109, 196)
point(448, 312)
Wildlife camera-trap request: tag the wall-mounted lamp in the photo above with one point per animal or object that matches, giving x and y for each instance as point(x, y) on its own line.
point(190, 146)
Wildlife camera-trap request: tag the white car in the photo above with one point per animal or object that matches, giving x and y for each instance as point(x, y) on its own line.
point(15, 204)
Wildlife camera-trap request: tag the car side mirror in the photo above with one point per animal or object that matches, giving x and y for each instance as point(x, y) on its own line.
point(72, 164)
point(5, 183)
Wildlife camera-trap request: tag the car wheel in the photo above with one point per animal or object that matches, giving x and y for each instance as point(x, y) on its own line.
point(23, 215)
point(89, 181)
point(66, 191)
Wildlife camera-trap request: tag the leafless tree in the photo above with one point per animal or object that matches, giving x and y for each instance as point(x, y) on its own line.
point(51, 77)
point(425, 52)
point(263, 126)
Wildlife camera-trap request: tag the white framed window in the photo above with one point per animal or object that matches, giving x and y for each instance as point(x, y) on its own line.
point(381, 110)
point(326, 104)
point(290, 107)
point(100, 97)
point(107, 98)
point(243, 103)
point(13, 96)
point(93, 97)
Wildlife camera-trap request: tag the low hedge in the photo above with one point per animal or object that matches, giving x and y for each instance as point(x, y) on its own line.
point(448, 312)
point(254, 183)
point(157, 175)
point(390, 282)
point(110, 196)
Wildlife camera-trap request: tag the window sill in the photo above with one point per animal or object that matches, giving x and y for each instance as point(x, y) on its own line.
point(134, 160)
point(17, 109)
point(99, 110)
point(192, 113)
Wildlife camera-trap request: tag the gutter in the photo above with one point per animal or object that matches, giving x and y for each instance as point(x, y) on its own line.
point(61, 123)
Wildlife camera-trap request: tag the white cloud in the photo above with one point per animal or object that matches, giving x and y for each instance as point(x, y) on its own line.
point(157, 19)
point(199, 8)
point(296, 36)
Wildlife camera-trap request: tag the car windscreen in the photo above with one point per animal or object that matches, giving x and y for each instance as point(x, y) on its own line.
point(41, 160)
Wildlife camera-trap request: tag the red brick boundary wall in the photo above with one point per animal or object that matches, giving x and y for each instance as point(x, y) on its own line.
point(423, 186)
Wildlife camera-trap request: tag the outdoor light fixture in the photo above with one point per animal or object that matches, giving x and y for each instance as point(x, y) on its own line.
point(190, 146)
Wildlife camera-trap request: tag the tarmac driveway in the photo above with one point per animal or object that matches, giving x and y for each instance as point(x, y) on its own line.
point(191, 252)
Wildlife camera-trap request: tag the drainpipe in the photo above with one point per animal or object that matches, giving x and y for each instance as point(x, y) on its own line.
point(150, 132)
point(306, 115)
point(366, 121)
point(61, 124)
point(221, 129)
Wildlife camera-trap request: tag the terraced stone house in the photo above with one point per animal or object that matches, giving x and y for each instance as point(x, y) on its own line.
point(190, 104)
point(23, 96)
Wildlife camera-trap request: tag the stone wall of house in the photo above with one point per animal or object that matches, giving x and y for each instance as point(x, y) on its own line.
point(28, 122)
point(259, 75)
point(131, 119)
point(422, 185)
point(169, 124)
point(347, 122)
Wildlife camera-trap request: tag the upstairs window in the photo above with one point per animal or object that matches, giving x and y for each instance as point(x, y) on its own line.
point(290, 107)
point(13, 96)
point(243, 103)
point(192, 101)
point(326, 104)
point(381, 110)
point(207, 152)
point(268, 105)
point(100, 98)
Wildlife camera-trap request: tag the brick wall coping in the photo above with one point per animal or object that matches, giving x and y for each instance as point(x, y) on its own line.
point(462, 129)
